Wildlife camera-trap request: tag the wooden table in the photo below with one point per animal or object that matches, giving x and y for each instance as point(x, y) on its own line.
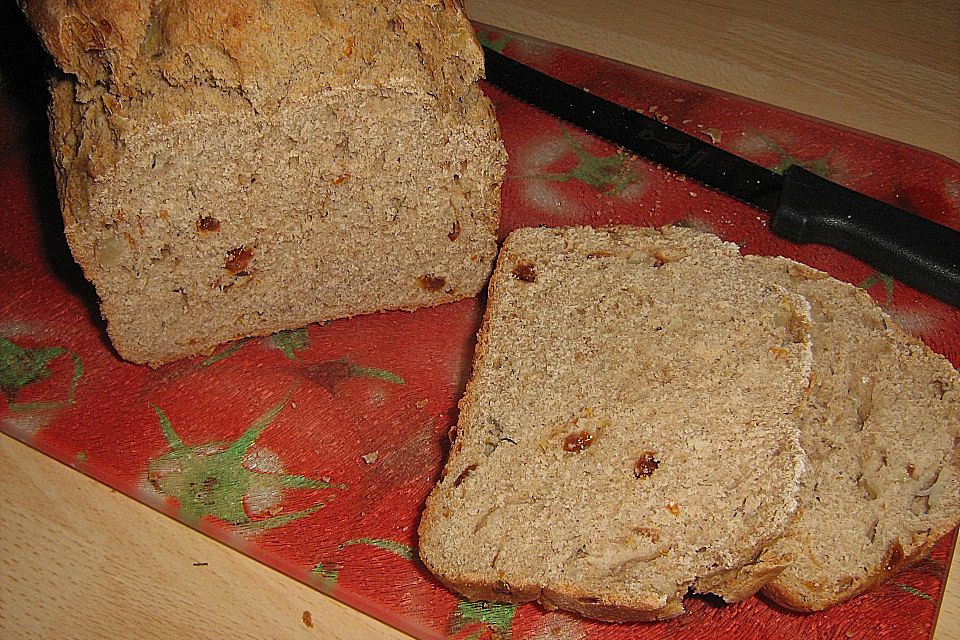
point(79, 560)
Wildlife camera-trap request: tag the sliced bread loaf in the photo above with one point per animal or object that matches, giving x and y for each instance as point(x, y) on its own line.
point(880, 429)
point(232, 168)
point(627, 433)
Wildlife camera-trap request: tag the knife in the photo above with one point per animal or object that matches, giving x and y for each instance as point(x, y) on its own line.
point(804, 207)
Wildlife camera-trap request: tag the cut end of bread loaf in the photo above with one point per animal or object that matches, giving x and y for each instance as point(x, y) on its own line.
point(627, 435)
point(206, 204)
point(880, 429)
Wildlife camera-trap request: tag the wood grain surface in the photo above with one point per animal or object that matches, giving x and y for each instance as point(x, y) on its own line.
point(890, 68)
point(79, 560)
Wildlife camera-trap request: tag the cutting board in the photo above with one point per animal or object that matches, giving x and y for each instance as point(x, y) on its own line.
point(313, 450)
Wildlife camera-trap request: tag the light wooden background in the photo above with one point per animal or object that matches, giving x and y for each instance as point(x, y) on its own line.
point(78, 560)
point(891, 68)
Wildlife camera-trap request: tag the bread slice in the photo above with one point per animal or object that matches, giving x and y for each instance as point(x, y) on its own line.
point(881, 430)
point(231, 168)
point(627, 432)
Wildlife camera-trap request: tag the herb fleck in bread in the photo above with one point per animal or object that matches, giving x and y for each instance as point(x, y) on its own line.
point(229, 169)
point(627, 433)
point(881, 431)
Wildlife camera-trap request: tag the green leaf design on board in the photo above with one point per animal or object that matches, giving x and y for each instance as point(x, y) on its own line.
point(952, 188)
point(330, 374)
point(608, 174)
point(880, 278)
point(326, 574)
point(370, 372)
point(493, 617)
point(497, 617)
point(21, 366)
point(217, 478)
point(916, 592)
point(498, 42)
point(398, 548)
point(289, 341)
point(819, 166)
point(226, 353)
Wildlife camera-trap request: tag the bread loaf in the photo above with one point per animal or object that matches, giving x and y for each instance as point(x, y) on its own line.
point(232, 168)
point(880, 430)
point(627, 434)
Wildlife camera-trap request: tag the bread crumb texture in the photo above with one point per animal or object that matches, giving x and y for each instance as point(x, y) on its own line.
point(229, 169)
point(630, 430)
point(880, 428)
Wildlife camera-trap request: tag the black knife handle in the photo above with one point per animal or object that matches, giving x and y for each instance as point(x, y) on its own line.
point(914, 250)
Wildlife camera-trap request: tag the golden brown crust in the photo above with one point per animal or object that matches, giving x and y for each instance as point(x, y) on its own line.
point(567, 597)
point(70, 166)
point(82, 34)
point(464, 406)
point(817, 598)
point(608, 610)
point(138, 46)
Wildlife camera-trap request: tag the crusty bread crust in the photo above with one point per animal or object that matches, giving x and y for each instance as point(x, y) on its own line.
point(810, 599)
point(139, 45)
point(570, 597)
point(732, 585)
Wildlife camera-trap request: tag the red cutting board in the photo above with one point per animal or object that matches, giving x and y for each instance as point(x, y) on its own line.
point(313, 450)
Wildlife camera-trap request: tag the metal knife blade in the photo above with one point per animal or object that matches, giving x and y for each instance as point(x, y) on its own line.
point(804, 207)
